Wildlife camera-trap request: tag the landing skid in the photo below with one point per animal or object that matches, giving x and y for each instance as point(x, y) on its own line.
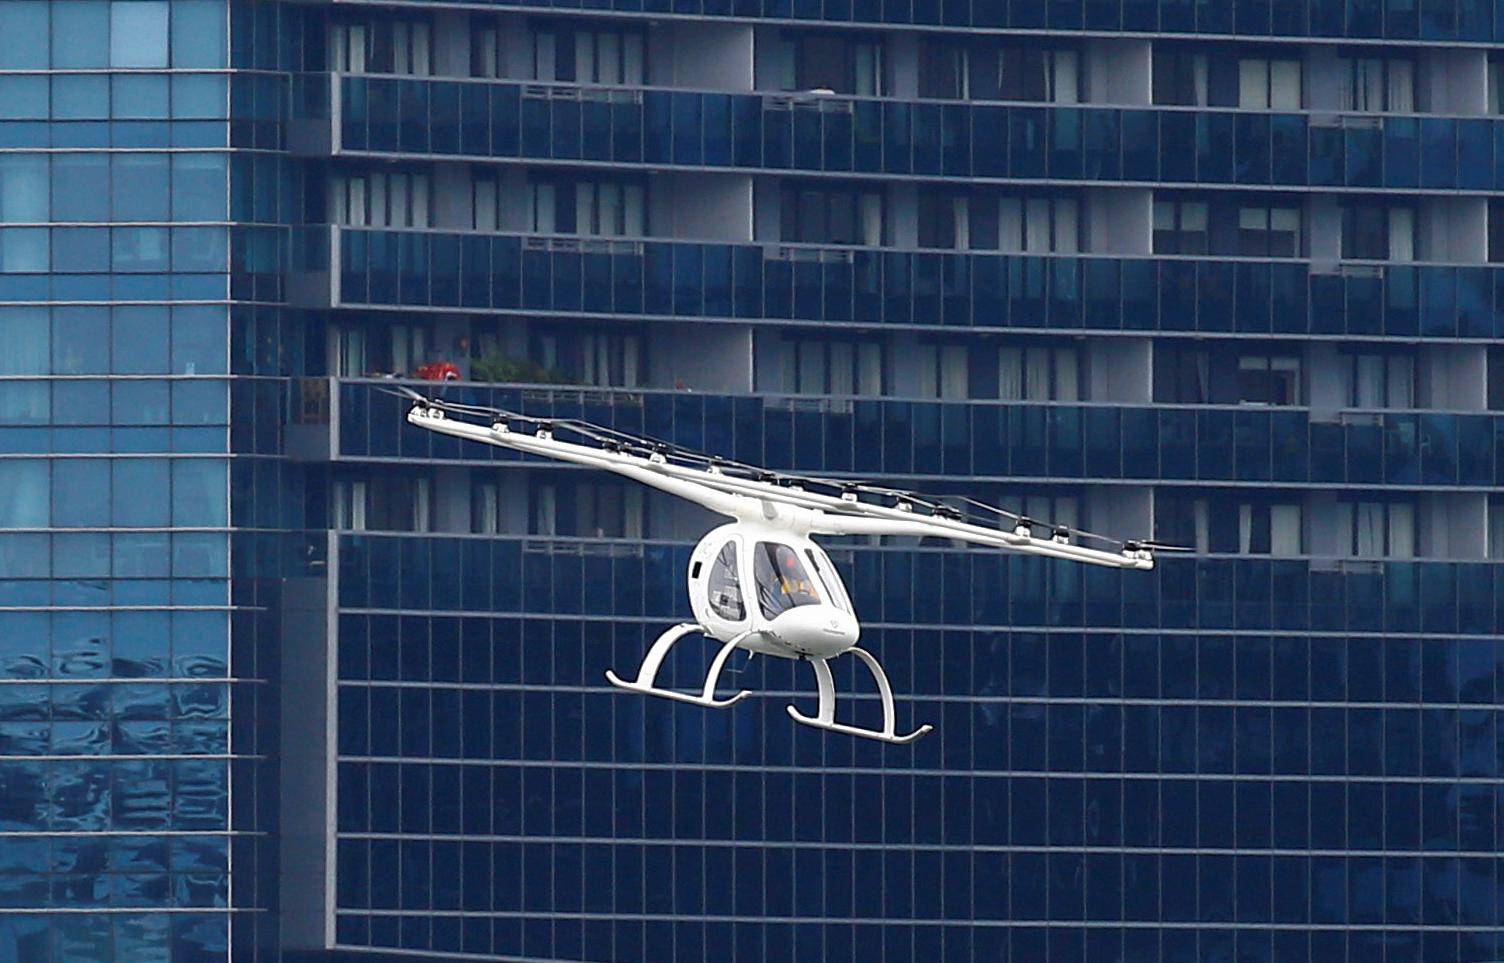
point(646, 676)
point(826, 714)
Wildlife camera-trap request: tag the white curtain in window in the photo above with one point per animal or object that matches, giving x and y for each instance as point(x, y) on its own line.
point(1368, 381)
point(608, 58)
point(1199, 78)
point(350, 48)
point(961, 222)
point(544, 518)
point(1284, 530)
point(1368, 533)
point(1245, 528)
point(633, 217)
point(869, 66)
point(1010, 225)
point(842, 368)
point(953, 371)
point(1201, 522)
point(377, 198)
point(1284, 85)
point(1401, 86)
point(486, 61)
point(418, 215)
point(1037, 374)
point(927, 357)
point(810, 367)
point(354, 502)
point(1037, 225)
point(1253, 84)
point(1067, 227)
point(1065, 81)
point(398, 200)
point(1401, 530)
point(1401, 387)
point(1010, 374)
point(487, 520)
point(422, 64)
point(586, 197)
point(871, 213)
point(1401, 234)
point(1495, 528)
point(869, 359)
point(357, 202)
point(485, 205)
point(632, 512)
point(632, 59)
point(1284, 226)
point(584, 57)
point(1363, 84)
point(1193, 217)
point(543, 208)
point(631, 354)
point(1067, 375)
point(545, 56)
point(352, 354)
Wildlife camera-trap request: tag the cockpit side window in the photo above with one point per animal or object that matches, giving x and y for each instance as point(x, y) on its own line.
point(782, 581)
point(724, 586)
point(826, 570)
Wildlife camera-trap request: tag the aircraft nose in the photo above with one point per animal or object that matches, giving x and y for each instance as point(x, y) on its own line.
point(818, 630)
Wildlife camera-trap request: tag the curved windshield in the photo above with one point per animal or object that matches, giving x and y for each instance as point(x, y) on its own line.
point(782, 581)
point(724, 586)
point(826, 570)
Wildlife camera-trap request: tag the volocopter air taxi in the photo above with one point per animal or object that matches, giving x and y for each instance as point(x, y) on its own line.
point(760, 583)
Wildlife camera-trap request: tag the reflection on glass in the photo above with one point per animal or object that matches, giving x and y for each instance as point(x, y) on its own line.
point(782, 582)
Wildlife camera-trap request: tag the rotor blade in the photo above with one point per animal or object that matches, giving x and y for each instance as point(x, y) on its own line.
point(933, 517)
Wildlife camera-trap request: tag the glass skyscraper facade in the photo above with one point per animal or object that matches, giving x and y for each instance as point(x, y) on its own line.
point(281, 674)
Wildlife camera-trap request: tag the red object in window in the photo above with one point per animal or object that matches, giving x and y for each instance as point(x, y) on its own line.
point(439, 371)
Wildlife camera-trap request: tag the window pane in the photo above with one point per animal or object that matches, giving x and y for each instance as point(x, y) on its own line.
point(26, 336)
point(25, 485)
point(80, 97)
point(23, 188)
point(23, 34)
point(23, 98)
point(23, 250)
point(198, 493)
point(81, 31)
point(138, 33)
point(198, 33)
point(139, 183)
point(200, 187)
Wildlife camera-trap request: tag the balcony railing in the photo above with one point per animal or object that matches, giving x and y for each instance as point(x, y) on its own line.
point(812, 133)
point(498, 574)
point(987, 439)
point(906, 288)
point(1438, 22)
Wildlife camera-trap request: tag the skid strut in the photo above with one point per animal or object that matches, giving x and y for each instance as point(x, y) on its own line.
point(826, 714)
point(646, 676)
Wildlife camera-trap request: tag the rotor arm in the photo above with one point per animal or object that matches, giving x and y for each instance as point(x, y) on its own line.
point(924, 527)
point(544, 445)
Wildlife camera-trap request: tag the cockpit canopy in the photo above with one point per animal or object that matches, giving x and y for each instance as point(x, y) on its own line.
point(781, 579)
point(783, 576)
